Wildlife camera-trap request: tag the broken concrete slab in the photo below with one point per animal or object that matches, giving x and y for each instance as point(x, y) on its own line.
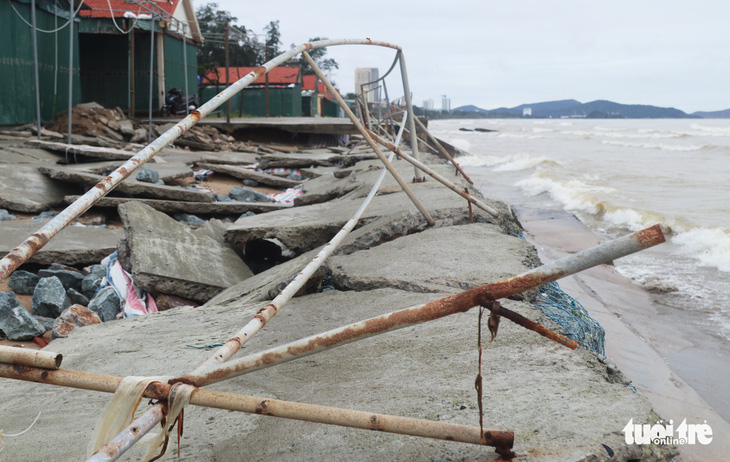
point(304, 159)
point(425, 371)
point(24, 189)
point(168, 257)
point(250, 174)
point(167, 171)
point(74, 245)
point(196, 208)
point(96, 152)
point(268, 284)
point(21, 154)
point(303, 228)
point(129, 186)
point(453, 258)
point(325, 188)
point(234, 158)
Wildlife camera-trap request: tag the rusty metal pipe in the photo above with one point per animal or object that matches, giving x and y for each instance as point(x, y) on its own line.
point(35, 242)
point(27, 357)
point(436, 309)
point(258, 405)
point(265, 314)
point(429, 171)
point(131, 434)
point(443, 151)
point(364, 132)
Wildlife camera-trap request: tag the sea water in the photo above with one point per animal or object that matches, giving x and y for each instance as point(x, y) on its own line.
point(619, 176)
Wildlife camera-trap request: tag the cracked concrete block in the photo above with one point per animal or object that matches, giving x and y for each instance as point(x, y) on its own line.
point(169, 257)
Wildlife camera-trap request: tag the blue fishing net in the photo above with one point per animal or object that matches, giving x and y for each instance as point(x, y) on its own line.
point(571, 316)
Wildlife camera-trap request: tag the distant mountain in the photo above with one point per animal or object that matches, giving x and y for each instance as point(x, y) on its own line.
point(713, 115)
point(594, 109)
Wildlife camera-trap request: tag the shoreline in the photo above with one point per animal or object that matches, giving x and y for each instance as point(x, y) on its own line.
point(639, 346)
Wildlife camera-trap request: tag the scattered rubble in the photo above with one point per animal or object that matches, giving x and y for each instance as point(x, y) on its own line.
point(73, 317)
point(16, 323)
point(49, 298)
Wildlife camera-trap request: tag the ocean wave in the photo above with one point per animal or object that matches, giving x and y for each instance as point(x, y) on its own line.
point(460, 143)
point(574, 195)
point(711, 130)
point(711, 246)
point(478, 161)
point(664, 147)
point(518, 162)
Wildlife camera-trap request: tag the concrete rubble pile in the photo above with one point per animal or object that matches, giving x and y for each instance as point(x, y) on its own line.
point(203, 241)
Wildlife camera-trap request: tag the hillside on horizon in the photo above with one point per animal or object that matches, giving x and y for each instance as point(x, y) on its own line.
point(594, 109)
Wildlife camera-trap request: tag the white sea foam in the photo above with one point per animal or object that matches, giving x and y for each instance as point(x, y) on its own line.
point(573, 194)
point(711, 246)
point(478, 161)
point(521, 162)
point(664, 147)
point(461, 143)
point(711, 130)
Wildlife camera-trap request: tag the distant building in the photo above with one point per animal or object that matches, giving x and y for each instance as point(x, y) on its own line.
point(527, 112)
point(445, 103)
point(428, 105)
point(365, 75)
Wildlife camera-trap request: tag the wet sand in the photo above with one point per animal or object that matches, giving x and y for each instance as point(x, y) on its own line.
point(669, 363)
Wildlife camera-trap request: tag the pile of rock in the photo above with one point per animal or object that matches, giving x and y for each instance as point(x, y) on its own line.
point(63, 298)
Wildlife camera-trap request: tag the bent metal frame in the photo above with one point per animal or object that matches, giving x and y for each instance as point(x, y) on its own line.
point(43, 367)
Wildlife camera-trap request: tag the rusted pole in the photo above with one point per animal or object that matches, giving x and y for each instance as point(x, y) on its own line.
point(443, 151)
point(261, 406)
point(128, 437)
point(367, 137)
point(436, 309)
point(429, 171)
point(27, 357)
point(35, 242)
point(265, 314)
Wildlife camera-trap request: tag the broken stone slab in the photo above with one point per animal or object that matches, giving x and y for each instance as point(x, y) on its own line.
point(195, 208)
point(106, 304)
point(49, 298)
point(21, 154)
point(24, 189)
point(325, 188)
point(249, 174)
point(126, 127)
point(453, 258)
point(129, 186)
point(96, 152)
point(268, 284)
point(303, 228)
point(300, 160)
point(74, 245)
point(169, 257)
point(73, 317)
point(227, 157)
point(69, 279)
point(166, 171)
point(23, 282)
point(16, 323)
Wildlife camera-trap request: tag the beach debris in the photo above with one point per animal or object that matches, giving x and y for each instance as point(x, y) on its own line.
point(70, 278)
point(147, 175)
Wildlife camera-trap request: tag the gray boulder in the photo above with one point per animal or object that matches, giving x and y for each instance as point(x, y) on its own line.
point(106, 304)
point(5, 215)
point(49, 298)
point(189, 218)
point(47, 322)
point(23, 282)
point(77, 298)
point(147, 175)
point(16, 323)
point(92, 281)
point(69, 279)
point(247, 195)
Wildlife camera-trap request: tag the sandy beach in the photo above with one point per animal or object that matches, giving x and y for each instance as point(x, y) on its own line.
point(640, 344)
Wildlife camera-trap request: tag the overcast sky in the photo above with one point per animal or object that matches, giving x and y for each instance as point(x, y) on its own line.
point(504, 53)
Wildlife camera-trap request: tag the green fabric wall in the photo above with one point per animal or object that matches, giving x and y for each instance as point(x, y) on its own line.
point(285, 102)
point(17, 81)
point(174, 65)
